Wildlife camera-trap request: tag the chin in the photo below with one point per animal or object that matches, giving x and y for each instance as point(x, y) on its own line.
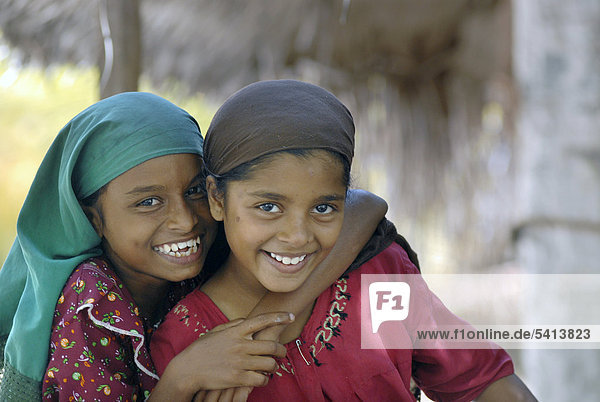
point(283, 288)
point(187, 274)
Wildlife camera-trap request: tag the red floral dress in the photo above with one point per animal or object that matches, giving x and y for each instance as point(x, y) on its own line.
point(327, 361)
point(98, 346)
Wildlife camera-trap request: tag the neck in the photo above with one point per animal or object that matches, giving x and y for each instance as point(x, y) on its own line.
point(150, 294)
point(235, 291)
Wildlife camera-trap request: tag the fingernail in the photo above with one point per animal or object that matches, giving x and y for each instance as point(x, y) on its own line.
point(281, 318)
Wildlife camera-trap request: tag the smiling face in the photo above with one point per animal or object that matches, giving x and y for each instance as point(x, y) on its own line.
point(154, 220)
point(282, 220)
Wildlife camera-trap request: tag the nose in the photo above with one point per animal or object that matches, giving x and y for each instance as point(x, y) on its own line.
point(296, 231)
point(182, 216)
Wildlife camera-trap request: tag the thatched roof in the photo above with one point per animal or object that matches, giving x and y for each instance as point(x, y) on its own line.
point(416, 74)
point(211, 44)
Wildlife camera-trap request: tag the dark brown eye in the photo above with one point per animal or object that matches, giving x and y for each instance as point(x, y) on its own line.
point(324, 209)
point(195, 190)
point(148, 202)
point(269, 207)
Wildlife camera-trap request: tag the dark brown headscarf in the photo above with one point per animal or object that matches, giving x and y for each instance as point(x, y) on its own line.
point(271, 116)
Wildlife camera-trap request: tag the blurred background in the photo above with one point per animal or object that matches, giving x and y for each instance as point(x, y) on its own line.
point(477, 120)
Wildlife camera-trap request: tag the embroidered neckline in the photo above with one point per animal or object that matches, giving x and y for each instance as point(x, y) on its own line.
point(332, 323)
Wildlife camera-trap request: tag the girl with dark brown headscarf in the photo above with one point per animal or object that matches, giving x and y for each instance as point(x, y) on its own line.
point(278, 155)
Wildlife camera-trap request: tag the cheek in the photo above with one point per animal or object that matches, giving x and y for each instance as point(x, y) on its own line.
point(243, 233)
point(202, 210)
point(331, 234)
point(126, 231)
point(206, 224)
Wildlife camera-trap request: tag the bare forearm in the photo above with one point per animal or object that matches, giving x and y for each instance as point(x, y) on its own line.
point(509, 388)
point(171, 388)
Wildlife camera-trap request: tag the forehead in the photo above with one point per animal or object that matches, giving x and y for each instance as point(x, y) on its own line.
point(308, 159)
point(162, 170)
point(315, 172)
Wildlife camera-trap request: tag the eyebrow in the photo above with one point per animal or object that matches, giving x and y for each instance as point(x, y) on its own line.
point(157, 188)
point(331, 197)
point(279, 197)
point(266, 194)
point(145, 189)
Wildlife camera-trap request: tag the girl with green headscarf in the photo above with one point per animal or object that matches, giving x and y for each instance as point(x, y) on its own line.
point(119, 199)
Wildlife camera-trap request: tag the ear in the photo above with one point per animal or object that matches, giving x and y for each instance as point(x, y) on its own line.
point(216, 201)
point(94, 217)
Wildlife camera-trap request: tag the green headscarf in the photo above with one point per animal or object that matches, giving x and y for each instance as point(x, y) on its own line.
point(53, 233)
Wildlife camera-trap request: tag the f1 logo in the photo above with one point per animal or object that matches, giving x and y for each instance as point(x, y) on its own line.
point(389, 302)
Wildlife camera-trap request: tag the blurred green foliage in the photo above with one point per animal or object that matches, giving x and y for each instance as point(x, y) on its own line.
point(34, 105)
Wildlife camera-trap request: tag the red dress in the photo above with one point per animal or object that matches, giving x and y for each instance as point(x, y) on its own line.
point(98, 346)
point(327, 362)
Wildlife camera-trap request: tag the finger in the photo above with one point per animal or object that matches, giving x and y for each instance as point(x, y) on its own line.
point(266, 348)
point(241, 394)
point(200, 395)
point(263, 364)
point(226, 325)
point(227, 395)
point(212, 395)
point(269, 334)
point(253, 379)
point(254, 324)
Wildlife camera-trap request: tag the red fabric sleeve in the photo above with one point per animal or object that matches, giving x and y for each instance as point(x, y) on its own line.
point(459, 374)
point(86, 362)
point(443, 374)
point(455, 374)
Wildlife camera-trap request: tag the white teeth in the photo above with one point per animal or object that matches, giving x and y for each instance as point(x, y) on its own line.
point(288, 260)
point(175, 249)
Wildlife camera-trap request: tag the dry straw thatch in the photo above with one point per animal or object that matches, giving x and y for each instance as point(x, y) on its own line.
point(420, 77)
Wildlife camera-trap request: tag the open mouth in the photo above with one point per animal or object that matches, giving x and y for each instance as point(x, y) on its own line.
point(288, 264)
point(288, 260)
point(179, 249)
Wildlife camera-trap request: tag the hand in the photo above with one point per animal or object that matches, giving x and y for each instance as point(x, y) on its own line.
point(226, 357)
